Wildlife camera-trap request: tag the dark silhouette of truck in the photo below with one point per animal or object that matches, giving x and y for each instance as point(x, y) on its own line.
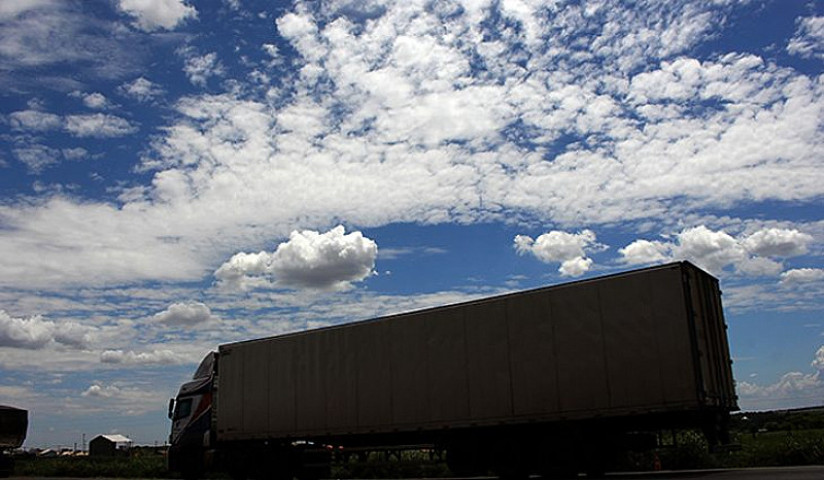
point(549, 381)
point(14, 423)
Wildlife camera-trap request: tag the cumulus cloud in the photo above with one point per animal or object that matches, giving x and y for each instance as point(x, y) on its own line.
point(153, 357)
point(99, 125)
point(327, 261)
point(36, 333)
point(645, 251)
point(185, 315)
point(94, 100)
point(151, 15)
point(141, 89)
point(717, 250)
point(777, 242)
point(568, 249)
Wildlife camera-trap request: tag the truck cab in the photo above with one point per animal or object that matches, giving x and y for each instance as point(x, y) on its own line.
point(191, 416)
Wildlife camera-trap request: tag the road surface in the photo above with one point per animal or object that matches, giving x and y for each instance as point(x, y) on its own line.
point(778, 473)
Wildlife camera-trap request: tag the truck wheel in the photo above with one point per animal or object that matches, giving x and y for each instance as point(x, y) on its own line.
point(466, 461)
point(6, 465)
point(509, 461)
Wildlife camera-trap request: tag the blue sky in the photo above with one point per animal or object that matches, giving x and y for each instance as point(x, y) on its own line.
point(179, 174)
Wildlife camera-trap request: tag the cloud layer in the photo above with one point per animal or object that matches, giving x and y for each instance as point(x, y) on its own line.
point(617, 122)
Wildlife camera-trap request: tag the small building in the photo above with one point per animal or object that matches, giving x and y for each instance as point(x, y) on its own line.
point(109, 446)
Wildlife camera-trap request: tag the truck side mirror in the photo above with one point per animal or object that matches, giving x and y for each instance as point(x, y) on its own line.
point(171, 408)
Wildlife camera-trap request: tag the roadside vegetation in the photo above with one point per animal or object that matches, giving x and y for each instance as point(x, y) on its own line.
point(762, 439)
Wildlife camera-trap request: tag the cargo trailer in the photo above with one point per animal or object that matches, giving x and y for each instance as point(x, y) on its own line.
point(548, 381)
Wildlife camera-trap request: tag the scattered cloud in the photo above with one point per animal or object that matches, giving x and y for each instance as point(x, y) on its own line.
point(802, 275)
point(185, 315)
point(37, 157)
point(808, 41)
point(151, 15)
point(76, 153)
point(122, 398)
point(99, 125)
point(36, 35)
point(94, 100)
point(313, 260)
point(397, 252)
point(153, 357)
point(199, 68)
point(35, 120)
point(36, 333)
point(570, 249)
point(717, 250)
point(793, 386)
point(141, 89)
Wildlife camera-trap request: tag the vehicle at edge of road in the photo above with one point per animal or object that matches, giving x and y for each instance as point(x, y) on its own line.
point(551, 381)
point(14, 422)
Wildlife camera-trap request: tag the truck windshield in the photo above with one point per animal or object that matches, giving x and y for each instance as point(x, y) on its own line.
point(183, 409)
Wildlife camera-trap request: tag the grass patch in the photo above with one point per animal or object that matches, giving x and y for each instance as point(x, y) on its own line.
point(87, 467)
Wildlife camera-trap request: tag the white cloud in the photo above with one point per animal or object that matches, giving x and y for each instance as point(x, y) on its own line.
point(372, 133)
point(26, 120)
point(326, 261)
point(796, 387)
point(12, 8)
point(153, 357)
point(37, 157)
point(717, 250)
point(95, 100)
point(200, 68)
point(808, 41)
point(185, 315)
point(818, 362)
point(802, 275)
point(49, 33)
point(570, 249)
point(141, 89)
point(37, 333)
point(121, 398)
point(99, 125)
point(76, 153)
point(645, 251)
point(153, 15)
point(778, 242)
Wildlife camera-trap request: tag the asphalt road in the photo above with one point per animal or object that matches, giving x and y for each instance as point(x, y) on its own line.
point(791, 473)
point(779, 473)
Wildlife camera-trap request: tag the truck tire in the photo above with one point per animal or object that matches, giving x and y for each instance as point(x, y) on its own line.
point(466, 460)
point(510, 461)
point(6, 465)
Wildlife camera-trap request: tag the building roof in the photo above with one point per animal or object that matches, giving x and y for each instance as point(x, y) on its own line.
point(116, 438)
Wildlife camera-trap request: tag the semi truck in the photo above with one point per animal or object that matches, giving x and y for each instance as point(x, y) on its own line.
point(14, 423)
point(549, 381)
